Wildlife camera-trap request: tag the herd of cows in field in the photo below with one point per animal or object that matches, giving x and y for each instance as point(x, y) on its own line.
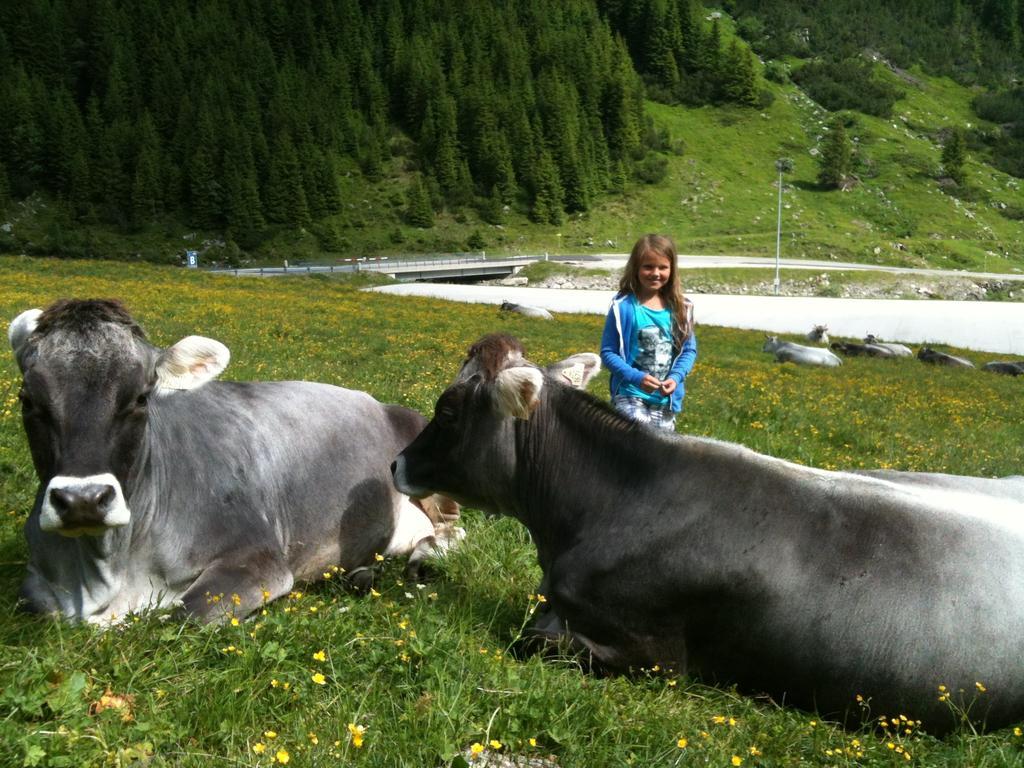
point(872, 346)
point(160, 485)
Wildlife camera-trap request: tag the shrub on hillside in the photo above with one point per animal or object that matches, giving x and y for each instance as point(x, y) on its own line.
point(776, 71)
point(651, 170)
point(847, 84)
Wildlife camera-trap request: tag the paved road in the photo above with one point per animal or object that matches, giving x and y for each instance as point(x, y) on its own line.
point(617, 261)
point(985, 326)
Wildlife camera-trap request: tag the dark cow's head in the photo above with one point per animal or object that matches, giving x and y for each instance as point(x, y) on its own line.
point(88, 376)
point(496, 386)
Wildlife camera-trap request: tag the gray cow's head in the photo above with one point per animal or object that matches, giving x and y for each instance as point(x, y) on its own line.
point(463, 449)
point(88, 374)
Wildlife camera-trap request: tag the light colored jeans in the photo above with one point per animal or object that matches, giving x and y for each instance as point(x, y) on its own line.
point(637, 409)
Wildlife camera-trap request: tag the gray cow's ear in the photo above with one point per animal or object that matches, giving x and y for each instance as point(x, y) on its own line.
point(21, 328)
point(190, 363)
point(576, 370)
point(518, 391)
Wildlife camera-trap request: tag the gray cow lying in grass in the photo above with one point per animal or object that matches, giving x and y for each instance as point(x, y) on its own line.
point(161, 486)
point(707, 558)
point(788, 352)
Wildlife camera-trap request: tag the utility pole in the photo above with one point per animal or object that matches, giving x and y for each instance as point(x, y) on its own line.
point(782, 165)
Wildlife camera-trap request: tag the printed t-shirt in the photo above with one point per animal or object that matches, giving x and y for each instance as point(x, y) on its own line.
point(650, 348)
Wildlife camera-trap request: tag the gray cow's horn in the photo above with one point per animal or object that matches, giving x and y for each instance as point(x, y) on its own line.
point(21, 328)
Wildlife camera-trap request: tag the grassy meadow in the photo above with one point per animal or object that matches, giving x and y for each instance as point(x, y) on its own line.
point(421, 675)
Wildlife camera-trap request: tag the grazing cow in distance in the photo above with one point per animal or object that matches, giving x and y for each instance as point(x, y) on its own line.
point(526, 310)
point(788, 352)
point(818, 334)
point(159, 486)
point(898, 350)
point(851, 349)
point(929, 355)
point(1008, 367)
point(709, 559)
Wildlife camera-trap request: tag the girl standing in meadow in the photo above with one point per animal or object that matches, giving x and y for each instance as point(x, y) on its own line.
point(648, 344)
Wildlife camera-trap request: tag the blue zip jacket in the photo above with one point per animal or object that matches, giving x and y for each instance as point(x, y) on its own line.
point(618, 326)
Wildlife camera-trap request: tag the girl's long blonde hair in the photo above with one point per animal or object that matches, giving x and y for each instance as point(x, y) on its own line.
point(671, 292)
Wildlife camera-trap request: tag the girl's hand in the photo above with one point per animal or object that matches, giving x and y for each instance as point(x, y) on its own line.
point(668, 386)
point(650, 383)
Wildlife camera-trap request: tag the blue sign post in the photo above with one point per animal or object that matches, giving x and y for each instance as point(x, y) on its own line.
point(193, 259)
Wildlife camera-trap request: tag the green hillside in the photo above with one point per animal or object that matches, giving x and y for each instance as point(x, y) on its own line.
point(344, 129)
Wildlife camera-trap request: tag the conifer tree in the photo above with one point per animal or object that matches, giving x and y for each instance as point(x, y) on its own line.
point(836, 157)
point(204, 175)
point(27, 141)
point(738, 77)
point(147, 190)
point(285, 195)
point(689, 35)
point(5, 188)
point(548, 194)
point(327, 183)
point(418, 210)
point(243, 208)
point(954, 155)
point(710, 64)
point(79, 200)
point(310, 161)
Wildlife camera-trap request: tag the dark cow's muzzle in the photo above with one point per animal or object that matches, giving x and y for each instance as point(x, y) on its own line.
point(83, 505)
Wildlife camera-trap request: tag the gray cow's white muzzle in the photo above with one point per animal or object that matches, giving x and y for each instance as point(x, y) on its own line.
point(73, 506)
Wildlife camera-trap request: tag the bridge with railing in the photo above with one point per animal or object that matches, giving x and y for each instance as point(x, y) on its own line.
point(459, 267)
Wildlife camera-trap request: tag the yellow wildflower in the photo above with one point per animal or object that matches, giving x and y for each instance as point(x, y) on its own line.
point(319, 679)
point(495, 744)
point(379, 558)
point(755, 751)
point(737, 760)
point(476, 749)
point(270, 734)
point(259, 747)
point(319, 656)
point(356, 731)
point(981, 688)
point(681, 743)
point(282, 756)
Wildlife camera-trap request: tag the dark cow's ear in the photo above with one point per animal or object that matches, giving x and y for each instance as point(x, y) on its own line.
point(518, 391)
point(576, 370)
point(190, 363)
point(21, 328)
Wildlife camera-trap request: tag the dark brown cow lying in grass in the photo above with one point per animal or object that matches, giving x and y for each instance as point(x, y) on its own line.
point(719, 562)
point(1008, 367)
point(852, 349)
point(929, 355)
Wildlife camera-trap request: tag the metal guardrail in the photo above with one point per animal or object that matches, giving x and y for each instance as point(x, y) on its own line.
point(393, 266)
